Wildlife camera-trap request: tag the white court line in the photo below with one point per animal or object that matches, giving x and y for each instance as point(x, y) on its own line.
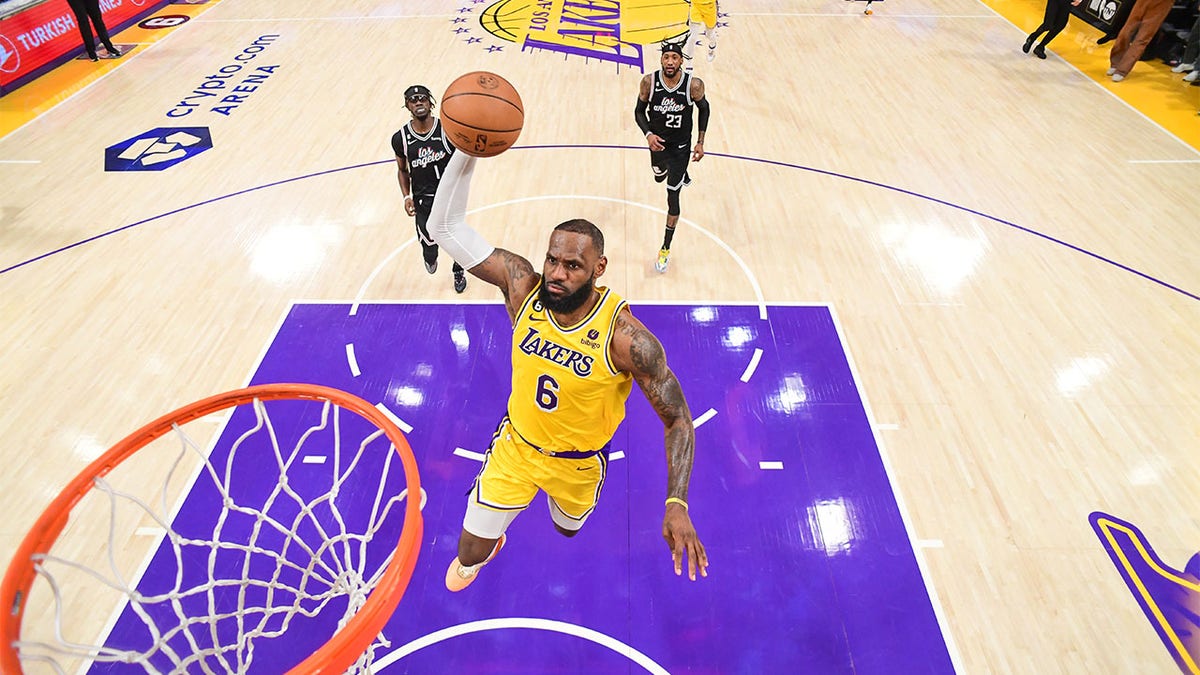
point(301, 19)
point(462, 452)
point(918, 551)
point(858, 14)
point(1164, 161)
point(352, 360)
point(1098, 85)
point(20, 161)
point(616, 455)
point(766, 466)
point(749, 372)
point(197, 470)
point(708, 415)
point(313, 459)
point(760, 301)
point(404, 426)
point(599, 638)
point(375, 272)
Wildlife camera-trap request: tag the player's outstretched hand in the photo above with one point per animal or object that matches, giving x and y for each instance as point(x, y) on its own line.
point(683, 541)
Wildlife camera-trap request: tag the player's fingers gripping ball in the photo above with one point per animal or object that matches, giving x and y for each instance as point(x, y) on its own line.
point(482, 114)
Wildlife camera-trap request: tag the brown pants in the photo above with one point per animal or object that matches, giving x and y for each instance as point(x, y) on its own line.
point(1140, 28)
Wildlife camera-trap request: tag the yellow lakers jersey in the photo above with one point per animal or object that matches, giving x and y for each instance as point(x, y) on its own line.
point(704, 11)
point(566, 393)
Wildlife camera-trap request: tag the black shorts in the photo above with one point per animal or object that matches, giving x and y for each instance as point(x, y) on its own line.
point(424, 206)
point(673, 158)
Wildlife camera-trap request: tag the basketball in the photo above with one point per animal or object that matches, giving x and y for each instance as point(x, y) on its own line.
point(482, 114)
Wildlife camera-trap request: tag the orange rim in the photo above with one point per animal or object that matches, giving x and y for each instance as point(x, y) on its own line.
point(347, 644)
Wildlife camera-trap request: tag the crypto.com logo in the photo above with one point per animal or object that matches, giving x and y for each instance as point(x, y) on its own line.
point(157, 149)
point(10, 58)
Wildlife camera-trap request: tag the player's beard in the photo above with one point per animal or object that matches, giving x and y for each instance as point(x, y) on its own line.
point(567, 303)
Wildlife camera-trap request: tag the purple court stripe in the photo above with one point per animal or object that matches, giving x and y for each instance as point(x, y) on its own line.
point(771, 162)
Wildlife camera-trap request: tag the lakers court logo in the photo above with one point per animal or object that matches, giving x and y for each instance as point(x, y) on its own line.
point(605, 31)
point(1169, 597)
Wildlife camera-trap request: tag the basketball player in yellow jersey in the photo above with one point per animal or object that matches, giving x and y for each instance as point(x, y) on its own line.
point(702, 19)
point(576, 351)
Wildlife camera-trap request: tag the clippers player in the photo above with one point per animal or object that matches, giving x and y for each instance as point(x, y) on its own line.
point(664, 114)
point(422, 152)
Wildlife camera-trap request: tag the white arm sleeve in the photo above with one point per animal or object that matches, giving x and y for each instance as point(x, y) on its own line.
point(447, 223)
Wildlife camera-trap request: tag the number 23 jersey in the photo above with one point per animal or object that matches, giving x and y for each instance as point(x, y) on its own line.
point(670, 110)
point(566, 392)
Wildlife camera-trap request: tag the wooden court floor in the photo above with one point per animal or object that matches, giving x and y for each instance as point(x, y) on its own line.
point(1011, 251)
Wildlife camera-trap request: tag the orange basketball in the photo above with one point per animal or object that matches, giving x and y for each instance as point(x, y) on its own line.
point(482, 114)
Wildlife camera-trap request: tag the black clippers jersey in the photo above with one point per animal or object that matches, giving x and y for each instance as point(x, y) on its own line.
point(427, 156)
point(671, 109)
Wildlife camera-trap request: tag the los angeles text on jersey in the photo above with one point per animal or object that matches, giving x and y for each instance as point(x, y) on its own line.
point(668, 105)
point(427, 156)
point(534, 344)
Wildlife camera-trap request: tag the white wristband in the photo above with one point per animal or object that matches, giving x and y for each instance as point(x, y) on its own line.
point(407, 198)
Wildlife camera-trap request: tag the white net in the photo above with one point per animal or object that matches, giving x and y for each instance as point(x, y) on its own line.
point(241, 557)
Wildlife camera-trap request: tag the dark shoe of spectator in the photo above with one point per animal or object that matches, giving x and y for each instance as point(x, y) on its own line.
point(1028, 44)
point(1106, 38)
point(1039, 51)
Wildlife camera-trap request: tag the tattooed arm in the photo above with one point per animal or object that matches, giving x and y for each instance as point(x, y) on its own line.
point(448, 227)
point(635, 350)
point(512, 274)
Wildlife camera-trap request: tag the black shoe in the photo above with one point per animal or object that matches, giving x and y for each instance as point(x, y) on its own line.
point(460, 281)
point(113, 52)
point(1106, 38)
point(1039, 51)
point(1028, 44)
point(93, 57)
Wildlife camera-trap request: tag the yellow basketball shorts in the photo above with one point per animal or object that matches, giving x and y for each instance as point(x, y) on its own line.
point(513, 472)
point(705, 12)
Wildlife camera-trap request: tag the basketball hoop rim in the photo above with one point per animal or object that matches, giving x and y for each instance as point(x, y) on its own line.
point(345, 647)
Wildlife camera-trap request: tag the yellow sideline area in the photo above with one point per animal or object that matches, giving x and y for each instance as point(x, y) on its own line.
point(40, 95)
point(1151, 87)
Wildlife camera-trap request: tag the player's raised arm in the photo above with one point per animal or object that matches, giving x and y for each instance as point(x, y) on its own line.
point(512, 274)
point(636, 350)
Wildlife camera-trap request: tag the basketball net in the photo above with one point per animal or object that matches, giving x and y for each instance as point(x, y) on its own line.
point(289, 521)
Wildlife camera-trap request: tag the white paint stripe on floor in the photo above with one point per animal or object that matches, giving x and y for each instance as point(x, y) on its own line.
point(404, 426)
point(352, 360)
point(708, 415)
point(314, 459)
point(616, 455)
point(770, 465)
point(749, 372)
point(462, 452)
